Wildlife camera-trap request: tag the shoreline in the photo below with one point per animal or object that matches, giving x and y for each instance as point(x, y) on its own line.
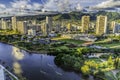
point(31, 52)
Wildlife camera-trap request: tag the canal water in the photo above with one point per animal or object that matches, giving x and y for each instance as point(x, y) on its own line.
point(34, 66)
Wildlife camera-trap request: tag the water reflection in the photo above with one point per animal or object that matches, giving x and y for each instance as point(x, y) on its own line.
point(17, 53)
point(17, 68)
point(34, 66)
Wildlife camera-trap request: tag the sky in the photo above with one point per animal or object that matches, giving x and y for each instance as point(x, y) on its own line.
point(82, 2)
point(13, 6)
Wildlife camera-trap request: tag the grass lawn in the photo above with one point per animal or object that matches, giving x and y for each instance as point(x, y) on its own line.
point(109, 45)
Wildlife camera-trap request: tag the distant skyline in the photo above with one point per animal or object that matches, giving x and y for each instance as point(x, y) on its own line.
point(56, 5)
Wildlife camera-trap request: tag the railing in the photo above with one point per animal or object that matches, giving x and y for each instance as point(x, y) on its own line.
point(9, 72)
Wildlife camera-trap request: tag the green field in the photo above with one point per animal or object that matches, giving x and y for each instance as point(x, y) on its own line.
point(108, 44)
point(73, 41)
point(112, 45)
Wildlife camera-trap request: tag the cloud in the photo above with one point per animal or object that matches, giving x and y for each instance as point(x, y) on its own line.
point(30, 6)
point(49, 5)
point(107, 4)
point(21, 4)
point(60, 5)
point(2, 6)
point(37, 6)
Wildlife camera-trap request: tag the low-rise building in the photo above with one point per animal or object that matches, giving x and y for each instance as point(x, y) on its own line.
point(83, 37)
point(32, 32)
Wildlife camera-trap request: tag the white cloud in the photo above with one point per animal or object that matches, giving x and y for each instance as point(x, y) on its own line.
point(60, 5)
point(21, 4)
point(108, 4)
point(2, 6)
point(37, 6)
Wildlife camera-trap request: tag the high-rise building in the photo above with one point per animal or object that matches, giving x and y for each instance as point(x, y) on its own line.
point(44, 29)
point(22, 27)
point(112, 25)
point(49, 23)
point(85, 24)
point(69, 26)
point(58, 28)
point(116, 29)
point(5, 24)
point(0, 24)
point(101, 25)
point(14, 23)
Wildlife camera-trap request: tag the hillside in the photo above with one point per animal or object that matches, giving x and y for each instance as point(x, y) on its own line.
point(78, 15)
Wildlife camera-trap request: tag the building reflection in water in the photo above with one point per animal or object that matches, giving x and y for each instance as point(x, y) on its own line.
point(17, 53)
point(17, 68)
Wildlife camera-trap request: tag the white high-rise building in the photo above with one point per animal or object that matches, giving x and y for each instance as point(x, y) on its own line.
point(49, 23)
point(116, 29)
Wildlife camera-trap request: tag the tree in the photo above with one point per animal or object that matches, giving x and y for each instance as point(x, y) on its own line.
point(117, 63)
point(110, 61)
point(85, 69)
point(81, 51)
point(112, 76)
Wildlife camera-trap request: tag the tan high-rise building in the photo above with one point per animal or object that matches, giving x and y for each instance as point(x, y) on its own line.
point(22, 27)
point(85, 24)
point(14, 23)
point(0, 24)
point(44, 29)
point(101, 25)
point(69, 27)
point(112, 25)
point(3, 24)
point(49, 23)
